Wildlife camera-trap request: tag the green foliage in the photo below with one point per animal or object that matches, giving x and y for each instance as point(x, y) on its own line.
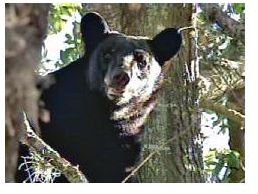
point(59, 15)
point(67, 55)
point(239, 8)
point(215, 47)
point(219, 164)
point(74, 45)
point(202, 18)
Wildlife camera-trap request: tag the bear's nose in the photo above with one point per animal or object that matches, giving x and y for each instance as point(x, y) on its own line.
point(120, 80)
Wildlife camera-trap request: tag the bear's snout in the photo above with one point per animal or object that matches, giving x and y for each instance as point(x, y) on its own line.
point(120, 80)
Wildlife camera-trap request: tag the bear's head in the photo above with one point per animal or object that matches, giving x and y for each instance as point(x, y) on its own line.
point(124, 67)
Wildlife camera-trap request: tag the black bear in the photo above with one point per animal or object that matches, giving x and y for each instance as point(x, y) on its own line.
point(99, 102)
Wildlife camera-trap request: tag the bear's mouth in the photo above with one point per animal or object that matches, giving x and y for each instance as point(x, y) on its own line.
point(114, 93)
point(116, 84)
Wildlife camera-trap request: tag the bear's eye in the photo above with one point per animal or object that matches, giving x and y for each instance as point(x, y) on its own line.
point(141, 65)
point(139, 57)
point(107, 58)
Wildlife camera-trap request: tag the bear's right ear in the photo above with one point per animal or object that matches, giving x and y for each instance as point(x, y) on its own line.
point(93, 30)
point(166, 44)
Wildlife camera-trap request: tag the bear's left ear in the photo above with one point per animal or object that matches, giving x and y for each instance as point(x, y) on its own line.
point(165, 44)
point(94, 28)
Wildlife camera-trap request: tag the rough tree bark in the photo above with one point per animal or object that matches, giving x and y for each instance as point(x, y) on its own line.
point(25, 29)
point(132, 18)
point(177, 114)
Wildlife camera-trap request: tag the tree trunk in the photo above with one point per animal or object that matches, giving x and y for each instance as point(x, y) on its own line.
point(25, 29)
point(177, 113)
point(132, 18)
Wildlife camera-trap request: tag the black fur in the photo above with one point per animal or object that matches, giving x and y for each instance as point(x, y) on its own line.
point(99, 102)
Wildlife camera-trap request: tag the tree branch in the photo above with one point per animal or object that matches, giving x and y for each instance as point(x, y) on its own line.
point(231, 114)
point(228, 24)
point(72, 173)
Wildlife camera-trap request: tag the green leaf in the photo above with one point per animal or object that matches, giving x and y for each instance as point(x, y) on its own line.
point(59, 15)
point(68, 36)
point(218, 167)
point(68, 55)
point(233, 159)
point(69, 39)
point(216, 122)
point(239, 7)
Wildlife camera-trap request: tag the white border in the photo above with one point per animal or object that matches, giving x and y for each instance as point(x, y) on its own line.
point(128, 1)
point(2, 92)
point(251, 131)
point(251, 95)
